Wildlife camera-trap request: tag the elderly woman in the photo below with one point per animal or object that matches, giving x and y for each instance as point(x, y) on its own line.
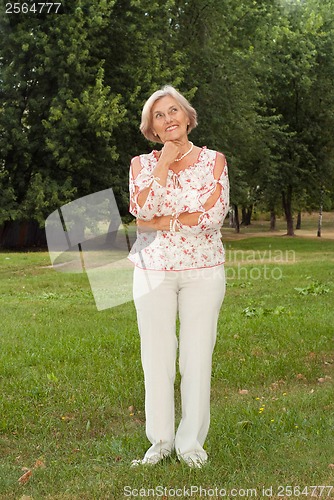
point(179, 196)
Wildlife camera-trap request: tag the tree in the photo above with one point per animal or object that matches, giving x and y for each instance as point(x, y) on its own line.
point(72, 85)
point(293, 91)
point(141, 55)
point(57, 114)
point(226, 44)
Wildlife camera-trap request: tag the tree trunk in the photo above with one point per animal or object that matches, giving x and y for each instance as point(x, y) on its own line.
point(231, 218)
point(236, 218)
point(287, 205)
point(272, 220)
point(246, 215)
point(299, 220)
point(319, 222)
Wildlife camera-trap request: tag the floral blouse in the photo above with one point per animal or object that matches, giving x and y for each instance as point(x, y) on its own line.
point(187, 191)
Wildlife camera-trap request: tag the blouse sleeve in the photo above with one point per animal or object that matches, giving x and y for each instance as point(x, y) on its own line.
point(214, 217)
point(155, 198)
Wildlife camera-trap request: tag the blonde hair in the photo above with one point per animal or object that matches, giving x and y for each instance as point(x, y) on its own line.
point(146, 116)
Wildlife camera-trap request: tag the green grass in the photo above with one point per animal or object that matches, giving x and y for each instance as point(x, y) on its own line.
point(72, 393)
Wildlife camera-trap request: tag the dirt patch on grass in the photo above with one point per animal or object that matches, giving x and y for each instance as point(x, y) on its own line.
point(231, 235)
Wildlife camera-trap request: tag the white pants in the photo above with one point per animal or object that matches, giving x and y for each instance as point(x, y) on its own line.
point(197, 296)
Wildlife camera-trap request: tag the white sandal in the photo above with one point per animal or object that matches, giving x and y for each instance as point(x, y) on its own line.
point(153, 460)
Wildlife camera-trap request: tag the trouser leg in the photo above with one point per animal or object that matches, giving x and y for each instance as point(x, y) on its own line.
point(156, 315)
point(200, 297)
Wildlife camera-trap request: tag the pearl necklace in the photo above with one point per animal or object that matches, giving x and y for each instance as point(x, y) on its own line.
point(185, 154)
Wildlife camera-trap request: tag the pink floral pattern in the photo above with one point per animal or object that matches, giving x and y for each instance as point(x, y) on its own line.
point(193, 246)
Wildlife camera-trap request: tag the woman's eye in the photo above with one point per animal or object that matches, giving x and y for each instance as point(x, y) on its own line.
point(158, 115)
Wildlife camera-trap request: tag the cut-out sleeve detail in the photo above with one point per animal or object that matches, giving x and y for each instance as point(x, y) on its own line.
point(155, 197)
point(212, 218)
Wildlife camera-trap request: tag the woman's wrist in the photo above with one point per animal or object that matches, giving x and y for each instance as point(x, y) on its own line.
point(189, 218)
point(174, 223)
point(160, 172)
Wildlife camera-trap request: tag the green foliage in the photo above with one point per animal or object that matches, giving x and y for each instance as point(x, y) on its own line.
point(73, 85)
point(298, 85)
point(58, 115)
point(45, 195)
point(251, 311)
point(80, 135)
point(314, 288)
point(8, 208)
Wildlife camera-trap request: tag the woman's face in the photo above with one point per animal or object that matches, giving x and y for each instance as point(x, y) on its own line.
point(169, 120)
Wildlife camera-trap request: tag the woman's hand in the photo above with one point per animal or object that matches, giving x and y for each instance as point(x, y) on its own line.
point(156, 224)
point(146, 225)
point(169, 152)
point(163, 223)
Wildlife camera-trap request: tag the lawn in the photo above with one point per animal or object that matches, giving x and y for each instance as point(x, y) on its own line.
point(72, 396)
